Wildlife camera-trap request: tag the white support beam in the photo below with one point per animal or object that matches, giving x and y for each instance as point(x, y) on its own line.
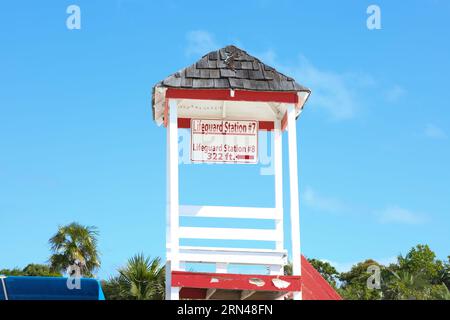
point(209, 293)
point(168, 284)
point(228, 234)
point(221, 267)
point(276, 270)
point(294, 197)
point(245, 294)
point(228, 212)
point(173, 199)
point(233, 256)
point(277, 157)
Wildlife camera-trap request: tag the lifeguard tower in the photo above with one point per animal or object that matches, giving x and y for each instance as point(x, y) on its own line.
point(225, 99)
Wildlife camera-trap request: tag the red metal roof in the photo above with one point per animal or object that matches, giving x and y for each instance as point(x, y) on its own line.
point(314, 286)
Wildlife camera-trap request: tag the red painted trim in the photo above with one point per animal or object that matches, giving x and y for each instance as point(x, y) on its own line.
point(239, 95)
point(231, 281)
point(193, 293)
point(266, 125)
point(185, 123)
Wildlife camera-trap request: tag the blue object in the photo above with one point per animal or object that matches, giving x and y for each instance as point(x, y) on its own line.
point(49, 288)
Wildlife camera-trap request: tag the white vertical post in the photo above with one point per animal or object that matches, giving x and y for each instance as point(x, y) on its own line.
point(277, 154)
point(172, 238)
point(221, 268)
point(295, 211)
point(276, 270)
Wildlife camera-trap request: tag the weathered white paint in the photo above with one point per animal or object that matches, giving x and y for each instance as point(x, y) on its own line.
point(173, 203)
point(274, 260)
point(228, 212)
point(222, 267)
point(250, 256)
point(278, 168)
point(294, 199)
point(228, 234)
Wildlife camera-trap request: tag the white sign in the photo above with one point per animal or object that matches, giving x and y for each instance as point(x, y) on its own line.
point(224, 141)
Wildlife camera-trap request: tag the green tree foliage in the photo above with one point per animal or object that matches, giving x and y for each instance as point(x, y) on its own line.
point(141, 279)
point(327, 271)
point(418, 275)
point(75, 244)
point(444, 275)
point(421, 260)
point(41, 270)
point(12, 272)
point(405, 285)
point(354, 282)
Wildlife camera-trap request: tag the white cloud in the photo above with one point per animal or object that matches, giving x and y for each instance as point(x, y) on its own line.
point(395, 93)
point(338, 94)
point(395, 214)
point(340, 266)
point(200, 42)
point(434, 132)
point(316, 201)
point(391, 214)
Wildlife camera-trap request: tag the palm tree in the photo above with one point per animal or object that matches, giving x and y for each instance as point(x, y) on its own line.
point(75, 244)
point(141, 279)
point(405, 285)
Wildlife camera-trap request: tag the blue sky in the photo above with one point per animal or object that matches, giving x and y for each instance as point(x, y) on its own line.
point(77, 141)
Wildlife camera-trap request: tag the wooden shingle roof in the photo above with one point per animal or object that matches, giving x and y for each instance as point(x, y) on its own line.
point(231, 68)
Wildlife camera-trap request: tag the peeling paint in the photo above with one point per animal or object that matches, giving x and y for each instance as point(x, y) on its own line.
point(257, 282)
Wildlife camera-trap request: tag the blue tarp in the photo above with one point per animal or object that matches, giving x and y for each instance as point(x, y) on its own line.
point(50, 288)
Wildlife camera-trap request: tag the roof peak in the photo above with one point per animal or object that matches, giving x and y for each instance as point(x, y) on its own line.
point(231, 67)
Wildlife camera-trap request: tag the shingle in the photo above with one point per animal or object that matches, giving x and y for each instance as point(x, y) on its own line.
point(186, 82)
point(268, 75)
point(213, 55)
point(227, 73)
point(204, 73)
point(172, 81)
point(287, 85)
point(212, 64)
point(258, 85)
point(255, 75)
point(236, 83)
point(299, 87)
point(221, 64)
point(202, 64)
point(237, 65)
point(242, 74)
point(203, 83)
point(214, 73)
point(247, 65)
point(221, 83)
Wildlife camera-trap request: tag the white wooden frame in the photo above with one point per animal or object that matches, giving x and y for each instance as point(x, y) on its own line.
point(274, 260)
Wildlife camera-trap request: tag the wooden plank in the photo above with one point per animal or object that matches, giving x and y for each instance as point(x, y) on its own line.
point(273, 261)
point(245, 294)
point(293, 182)
point(277, 157)
point(173, 201)
point(228, 212)
point(228, 234)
